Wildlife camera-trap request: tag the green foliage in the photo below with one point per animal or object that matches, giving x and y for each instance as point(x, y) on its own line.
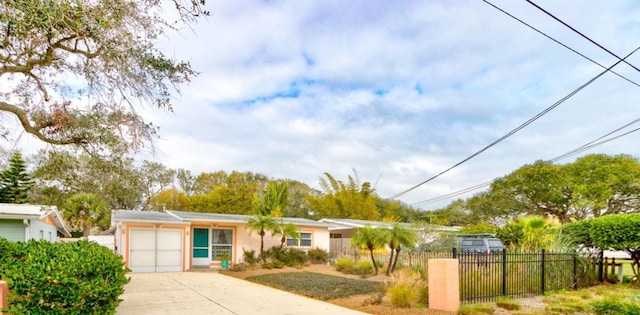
point(398, 236)
point(272, 264)
point(479, 228)
point(612, 306)
point(369, 238)
point(262, 224)
point(477, 309)
point(84, 211)
point(592, 186)
point(116, 70)
point(238, 267)
point(508, 304)
point(344, 264)
point(578, 232)
point(315, 285)
point(274, 199)
point(345, 200)
point(15, 181)
point(422, 294)
point(614, 232)
point(362, 268)
point(402, 295)
point(249, 256)
point(61, 278)
point(318, 256)
point(530, 233)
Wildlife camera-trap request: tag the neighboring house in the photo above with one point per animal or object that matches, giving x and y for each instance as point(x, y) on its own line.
point(178, 241)
point(341, 231)
point(23, 222)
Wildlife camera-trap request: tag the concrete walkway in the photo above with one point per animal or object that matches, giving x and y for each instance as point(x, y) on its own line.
point(213, 293)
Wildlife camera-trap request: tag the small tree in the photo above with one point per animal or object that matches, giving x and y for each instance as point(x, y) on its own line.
point(15, 182)
point(369, 238)
point(611, 232)
point(262, 224)
point(397, 237)
point(84, 211)
point(287, 230)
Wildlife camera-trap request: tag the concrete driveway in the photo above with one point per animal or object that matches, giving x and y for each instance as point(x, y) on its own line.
point(213, 293)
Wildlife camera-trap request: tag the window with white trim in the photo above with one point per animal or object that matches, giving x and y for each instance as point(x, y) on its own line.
point(304, 240)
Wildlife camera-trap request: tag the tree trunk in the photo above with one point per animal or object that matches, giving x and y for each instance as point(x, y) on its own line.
point(262, 246)
point(390, 258)
point(395, 260)
point(373, 260)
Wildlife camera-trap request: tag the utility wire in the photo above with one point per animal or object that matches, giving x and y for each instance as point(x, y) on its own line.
point(512, 132)
point(559, 42)
point(580, 149)
point(579, 33)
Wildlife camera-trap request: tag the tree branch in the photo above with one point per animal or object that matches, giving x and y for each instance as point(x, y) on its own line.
point(26, 124)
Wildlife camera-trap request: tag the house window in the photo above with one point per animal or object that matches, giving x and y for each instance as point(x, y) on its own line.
point(221, 243)
point(303, 241)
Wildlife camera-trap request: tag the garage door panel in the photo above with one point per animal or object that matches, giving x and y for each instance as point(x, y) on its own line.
point(155, 250)
point(169, 240)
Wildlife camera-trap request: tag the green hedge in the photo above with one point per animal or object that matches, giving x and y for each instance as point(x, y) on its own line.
point(61, 278)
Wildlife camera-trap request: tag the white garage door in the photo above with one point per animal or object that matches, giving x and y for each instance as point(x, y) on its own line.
point(155, 250)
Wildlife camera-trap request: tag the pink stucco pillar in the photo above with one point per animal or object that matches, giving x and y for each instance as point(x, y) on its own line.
point(4, 292)
point(444, 284)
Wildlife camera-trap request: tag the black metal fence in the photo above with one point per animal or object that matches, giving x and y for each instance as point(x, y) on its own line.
point(485, 277)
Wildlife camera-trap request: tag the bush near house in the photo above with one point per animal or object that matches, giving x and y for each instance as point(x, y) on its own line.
point(61, 278)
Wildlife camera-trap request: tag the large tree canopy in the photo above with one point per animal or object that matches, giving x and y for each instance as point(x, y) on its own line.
point(73, 72)
point(592, 186)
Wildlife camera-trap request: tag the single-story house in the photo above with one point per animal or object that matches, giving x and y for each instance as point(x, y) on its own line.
point(174, 240)
point(23, 222)
point(341, 231)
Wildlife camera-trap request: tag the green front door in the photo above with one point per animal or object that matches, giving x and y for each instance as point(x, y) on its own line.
point(200, 243)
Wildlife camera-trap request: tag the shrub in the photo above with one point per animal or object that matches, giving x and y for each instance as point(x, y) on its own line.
point(423, 295)
point(344, 265)
point(61, 278)
point(293, 257)
point(249, 256)
point(238, 267)
point(611, 306)
point(362, 268)
point(508, 304)
point(318, 256)
point(402, 295)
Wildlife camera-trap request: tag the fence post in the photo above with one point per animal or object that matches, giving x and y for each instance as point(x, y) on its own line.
point(575, 271)
point(601, 266)
point(504, 272)
point(542, 284)
point(454, 252)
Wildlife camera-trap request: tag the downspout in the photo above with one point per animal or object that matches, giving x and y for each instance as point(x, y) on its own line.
point(27, 230)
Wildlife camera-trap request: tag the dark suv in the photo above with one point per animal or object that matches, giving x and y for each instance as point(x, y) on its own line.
point(480, 243)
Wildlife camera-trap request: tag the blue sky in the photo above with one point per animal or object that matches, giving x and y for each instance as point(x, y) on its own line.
point(397, 90)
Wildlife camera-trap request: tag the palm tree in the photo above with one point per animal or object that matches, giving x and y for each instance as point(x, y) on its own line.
point(85, 210)
point(370, 239)
point(261, 224)
point(397, 236)
point(287, 231)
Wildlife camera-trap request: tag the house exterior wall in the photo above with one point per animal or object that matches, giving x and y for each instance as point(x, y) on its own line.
point(12, 229)
point(42, 231)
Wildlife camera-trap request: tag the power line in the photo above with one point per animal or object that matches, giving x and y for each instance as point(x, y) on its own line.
point(580, 149)
point(559, 42)
point(579, 33)
point(522, 126)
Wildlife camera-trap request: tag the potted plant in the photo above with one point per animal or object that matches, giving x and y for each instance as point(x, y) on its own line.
point(224, 258)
